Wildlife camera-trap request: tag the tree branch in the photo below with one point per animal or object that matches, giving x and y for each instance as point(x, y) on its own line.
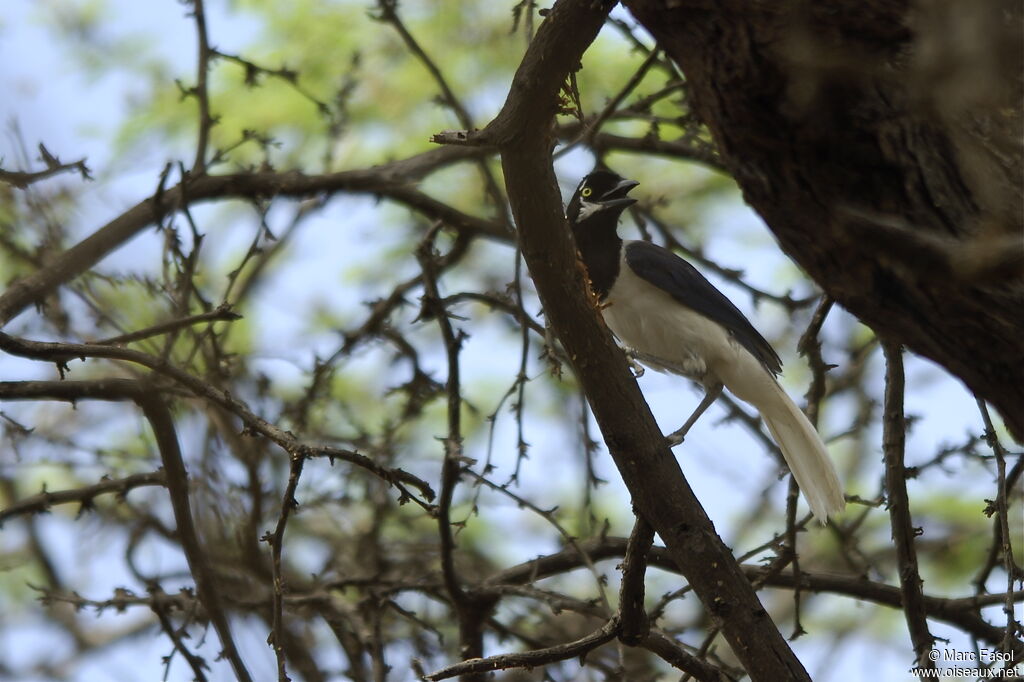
point(389, 180)
point(903, 532)
point(22, 179)
point(531, 659)
point(201, 91)
point(61, 353)
point(961, 612)
point(523, 131)
point(85, 495)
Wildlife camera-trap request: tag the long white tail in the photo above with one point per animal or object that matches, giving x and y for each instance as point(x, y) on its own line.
point(804, 452)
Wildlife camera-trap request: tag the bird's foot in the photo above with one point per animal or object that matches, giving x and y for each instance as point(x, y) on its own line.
point(674, 439)
point(638, 369)
point(679, 435)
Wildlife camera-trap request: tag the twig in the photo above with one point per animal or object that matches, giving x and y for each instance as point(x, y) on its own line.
point(548, 515)
point(531, 659)
point(297, 457)
point(388, 180)
point(635, 625)
point(670, 652)
point(61, 353)
point(201, 91)
point(254, 71)
point(591, 127)
point(157, 603)
point(810, 347)
point(961, 612)
point(903, 531)
point(22, 179)
point(734, 276)
point(221, 314)
point(84, 496)
point(791, 554)
point(470, 609)
point(389, 13)
point(1002, 509)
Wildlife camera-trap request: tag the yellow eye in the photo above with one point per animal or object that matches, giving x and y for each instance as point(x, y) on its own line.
point(586, 192)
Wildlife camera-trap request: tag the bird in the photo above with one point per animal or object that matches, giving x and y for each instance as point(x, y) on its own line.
point(671, 319)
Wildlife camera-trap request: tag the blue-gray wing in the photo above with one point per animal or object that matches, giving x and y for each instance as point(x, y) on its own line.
point(684, 283)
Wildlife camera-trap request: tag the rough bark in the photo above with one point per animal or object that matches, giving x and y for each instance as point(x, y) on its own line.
point(881, 142)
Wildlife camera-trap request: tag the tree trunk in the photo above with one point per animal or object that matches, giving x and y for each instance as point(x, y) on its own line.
point(881, 142)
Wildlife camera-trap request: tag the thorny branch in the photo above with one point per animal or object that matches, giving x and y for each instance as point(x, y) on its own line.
point(62, 353)
point(84, 496)
point(903, 532)
point(470, 610)
point(202, 91)
point(22, 179)
point(381, 584)
point(1003, 537)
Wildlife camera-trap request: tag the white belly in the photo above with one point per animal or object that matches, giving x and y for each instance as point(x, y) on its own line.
point(668, 336)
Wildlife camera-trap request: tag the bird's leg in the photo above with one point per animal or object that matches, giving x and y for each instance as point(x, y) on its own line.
point(710, 395)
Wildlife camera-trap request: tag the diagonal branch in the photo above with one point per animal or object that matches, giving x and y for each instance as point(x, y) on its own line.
point(523, 133)
point(222, 313)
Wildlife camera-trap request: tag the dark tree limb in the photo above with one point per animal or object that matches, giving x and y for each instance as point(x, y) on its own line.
point(887, 162)
point(523, 132)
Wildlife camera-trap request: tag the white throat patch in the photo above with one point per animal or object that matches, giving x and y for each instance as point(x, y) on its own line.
point(587, 209)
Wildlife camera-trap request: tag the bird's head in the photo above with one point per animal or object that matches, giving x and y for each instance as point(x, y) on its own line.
point(602, 194)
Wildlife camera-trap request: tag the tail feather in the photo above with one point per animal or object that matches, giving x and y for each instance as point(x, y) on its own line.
point(805, 454)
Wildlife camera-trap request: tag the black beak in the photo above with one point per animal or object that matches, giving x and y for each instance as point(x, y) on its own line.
point(616, 196)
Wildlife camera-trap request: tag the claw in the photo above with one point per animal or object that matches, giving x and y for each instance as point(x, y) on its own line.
point(638, 369)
